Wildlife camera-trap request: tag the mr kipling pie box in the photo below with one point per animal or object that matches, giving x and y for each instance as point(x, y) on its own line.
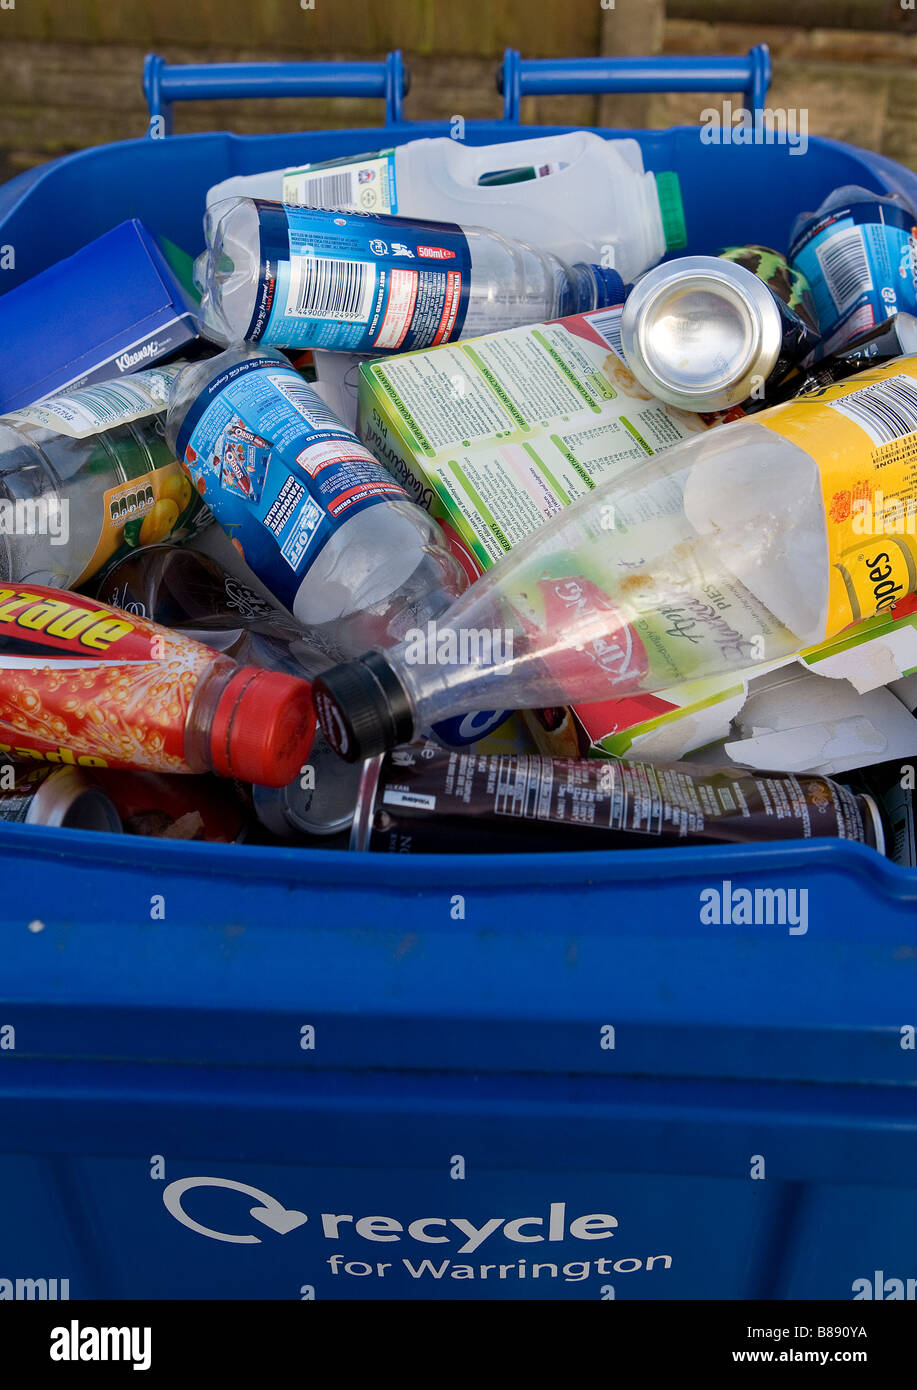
point(669, 724)
point(494, 435)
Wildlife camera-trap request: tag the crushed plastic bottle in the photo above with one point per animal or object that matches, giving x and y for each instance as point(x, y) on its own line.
point(858, 252)
point(351, 282)
point(320, 522)
point(88, 474)
point(742, 545)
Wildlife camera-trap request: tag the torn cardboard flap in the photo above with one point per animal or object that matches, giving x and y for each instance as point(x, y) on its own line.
point(813, 723)
point(879, 662)
point(906, 690)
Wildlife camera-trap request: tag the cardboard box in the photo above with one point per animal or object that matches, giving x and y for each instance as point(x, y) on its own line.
point(796, 721)
point(124, 302)
point(495, 435)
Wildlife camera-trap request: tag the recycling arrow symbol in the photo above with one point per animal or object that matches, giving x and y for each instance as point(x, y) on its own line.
point(270, 1212)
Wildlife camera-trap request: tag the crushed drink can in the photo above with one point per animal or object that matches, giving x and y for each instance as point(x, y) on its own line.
point(894, 337)
point(705, 333)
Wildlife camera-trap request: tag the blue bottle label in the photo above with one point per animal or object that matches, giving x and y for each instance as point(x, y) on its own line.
point(277, 468)
point(861, 262)
point(463, 730)
point(357, 282)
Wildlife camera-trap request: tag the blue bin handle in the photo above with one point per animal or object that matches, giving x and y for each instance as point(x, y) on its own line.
point(165, 83)
point(519, 77)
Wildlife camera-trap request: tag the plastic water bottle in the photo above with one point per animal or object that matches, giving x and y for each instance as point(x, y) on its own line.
point(320, 522)
point(742, 545)
point(208, 600)
point(575, 195)
point(351, 282)
point(88, 475)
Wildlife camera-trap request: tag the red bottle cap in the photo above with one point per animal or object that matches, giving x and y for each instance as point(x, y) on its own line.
point(263, 727)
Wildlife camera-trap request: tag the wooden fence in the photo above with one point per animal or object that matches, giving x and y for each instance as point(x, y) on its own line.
point(70, 70)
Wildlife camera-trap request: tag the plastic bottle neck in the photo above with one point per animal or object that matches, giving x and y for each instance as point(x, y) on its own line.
point(202, 710)
point(592, 287)
point(248, 723)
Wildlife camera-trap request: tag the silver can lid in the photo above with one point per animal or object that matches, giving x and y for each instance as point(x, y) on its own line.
point(321, 800)
point(71, 799)
point(698, 330)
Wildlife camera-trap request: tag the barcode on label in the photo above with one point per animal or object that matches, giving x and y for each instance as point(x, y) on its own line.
point(886, 410)
point(322, 287)
point(421, 800)
point(608, 327)
point(844, 265)
point(110, 402)
point(320, 191)
point(102, 406)
point(307, 401)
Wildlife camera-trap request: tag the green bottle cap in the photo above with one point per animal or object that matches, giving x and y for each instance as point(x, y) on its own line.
point(671, 210)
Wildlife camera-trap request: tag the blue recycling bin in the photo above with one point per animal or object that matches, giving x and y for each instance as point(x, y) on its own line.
point(241, 1072)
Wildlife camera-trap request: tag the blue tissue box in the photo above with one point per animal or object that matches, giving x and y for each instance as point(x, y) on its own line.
point(118, 305)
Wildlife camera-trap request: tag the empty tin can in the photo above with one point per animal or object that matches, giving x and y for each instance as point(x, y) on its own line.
point(704, 333)
point(63, 796)
point(422, 800)
point(321, 801)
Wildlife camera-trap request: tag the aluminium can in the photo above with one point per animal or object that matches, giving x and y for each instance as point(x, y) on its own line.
point(67, 797)
point(703, 333)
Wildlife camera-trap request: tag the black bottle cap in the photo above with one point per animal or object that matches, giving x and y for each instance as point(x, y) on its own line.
point(363, 708)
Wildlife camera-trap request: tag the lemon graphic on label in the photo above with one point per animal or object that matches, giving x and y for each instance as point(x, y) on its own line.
point(159, 521)
point(177, 488)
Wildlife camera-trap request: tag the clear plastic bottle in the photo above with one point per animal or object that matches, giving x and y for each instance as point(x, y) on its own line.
point(738, 546)
point(352, 282)
point(320, 522)
point(80, 476)
point(576, 195)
